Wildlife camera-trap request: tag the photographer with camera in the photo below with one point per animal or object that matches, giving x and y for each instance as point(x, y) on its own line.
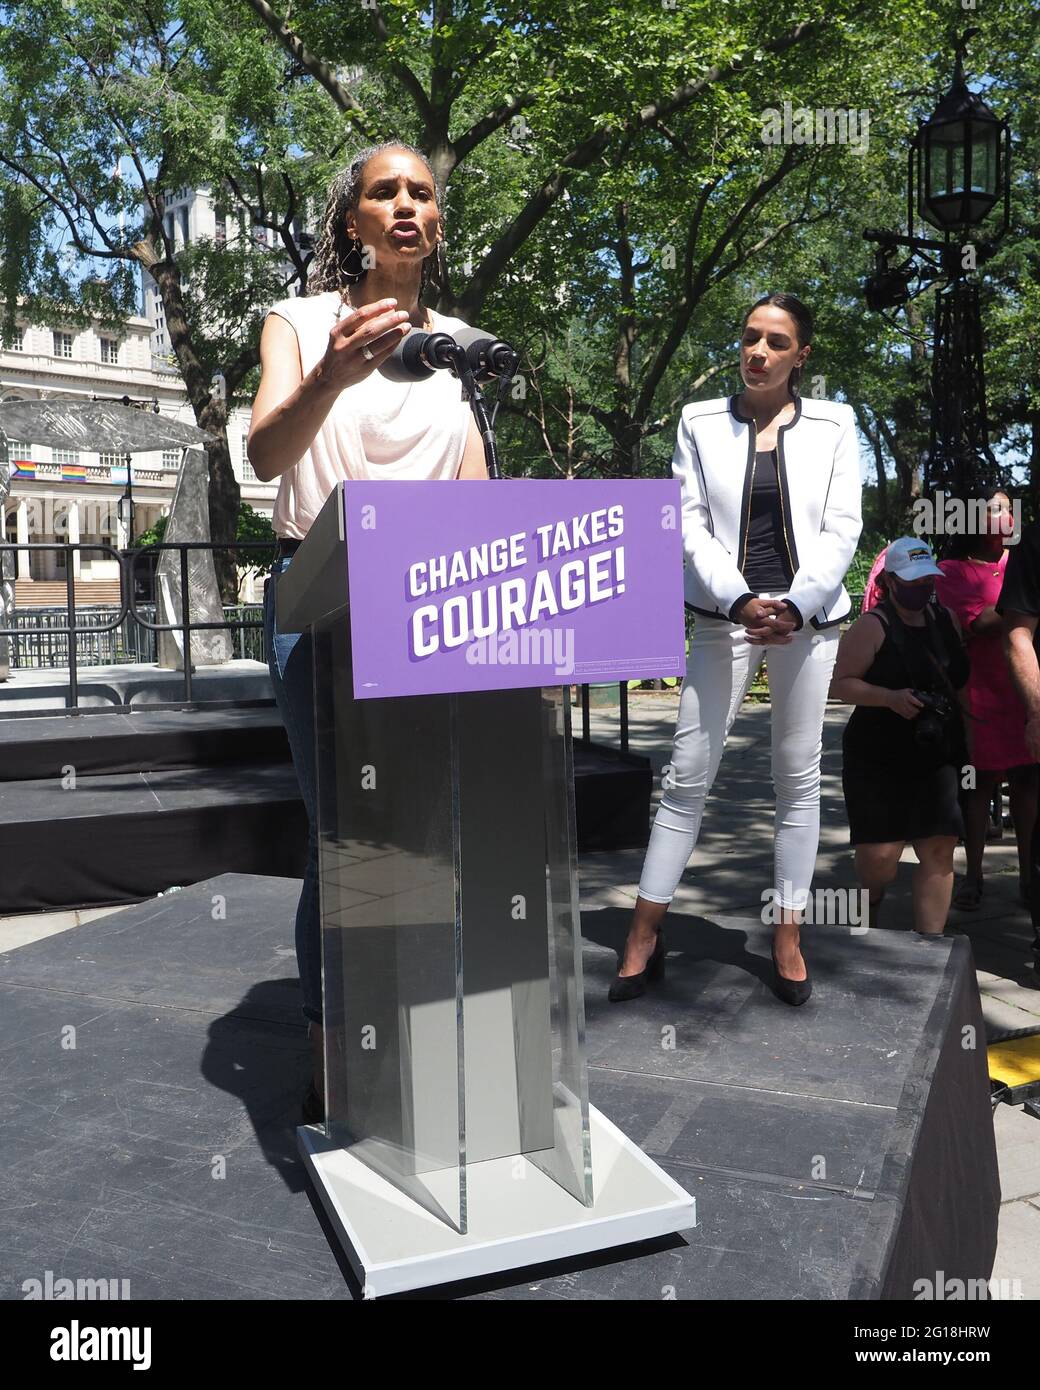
point(904, 667)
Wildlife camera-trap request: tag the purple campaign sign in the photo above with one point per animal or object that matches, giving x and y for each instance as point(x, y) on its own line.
point(515, 582)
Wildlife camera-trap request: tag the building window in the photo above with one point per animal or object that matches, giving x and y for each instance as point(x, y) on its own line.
point(63, 345)
point(112, 460)
point(171, 459)
point(17, 450)
point(14, 341)
point(109, 350)
point(65, 455)
point(248, 472)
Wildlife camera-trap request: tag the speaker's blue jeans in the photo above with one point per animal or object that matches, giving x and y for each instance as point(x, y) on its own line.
point(289, 661)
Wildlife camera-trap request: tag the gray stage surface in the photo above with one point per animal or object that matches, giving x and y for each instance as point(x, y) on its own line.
point(154, 1062)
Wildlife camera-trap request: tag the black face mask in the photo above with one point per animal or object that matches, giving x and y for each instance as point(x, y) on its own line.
point(911, 596)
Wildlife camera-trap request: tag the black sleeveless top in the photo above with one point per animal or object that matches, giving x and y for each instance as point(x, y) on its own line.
point(879, 736)
point(767, 568)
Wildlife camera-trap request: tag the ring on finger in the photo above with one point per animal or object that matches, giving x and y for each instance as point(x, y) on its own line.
point(366, 353)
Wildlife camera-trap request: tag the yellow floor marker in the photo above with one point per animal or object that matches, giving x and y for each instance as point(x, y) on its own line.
point(1015, 1063)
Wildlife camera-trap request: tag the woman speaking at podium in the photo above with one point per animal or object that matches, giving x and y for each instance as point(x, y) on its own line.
point(771, 518)
point(323, 412)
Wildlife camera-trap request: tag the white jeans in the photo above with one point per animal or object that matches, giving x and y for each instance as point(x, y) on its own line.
point(720, 669)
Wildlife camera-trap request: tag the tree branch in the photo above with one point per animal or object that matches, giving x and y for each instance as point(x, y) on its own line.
point(17, 167)
point(487, 125)
point(408, 80)
point(697, 283)
point(240, 367)
point(318, 69)
point(700, 381)
point(587, 150)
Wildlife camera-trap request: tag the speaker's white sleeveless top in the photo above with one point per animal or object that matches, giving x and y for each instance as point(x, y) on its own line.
point(376, 428)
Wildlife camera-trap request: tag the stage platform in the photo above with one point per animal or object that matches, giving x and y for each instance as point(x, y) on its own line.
point(29, 690)
point(155, 1060)
point(41, 746)
point(144, 799)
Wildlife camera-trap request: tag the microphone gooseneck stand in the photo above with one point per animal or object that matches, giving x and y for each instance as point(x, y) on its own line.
point(478, 356)
point(485, 422)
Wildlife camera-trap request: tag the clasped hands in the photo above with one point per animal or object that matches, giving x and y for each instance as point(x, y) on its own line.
point(769, 622)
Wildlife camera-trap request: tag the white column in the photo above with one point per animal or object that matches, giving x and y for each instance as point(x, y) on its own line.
point(73, 534)
point(23, 537)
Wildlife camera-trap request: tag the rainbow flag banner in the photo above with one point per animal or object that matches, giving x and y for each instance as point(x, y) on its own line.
point(23, 468)
point(73, 472)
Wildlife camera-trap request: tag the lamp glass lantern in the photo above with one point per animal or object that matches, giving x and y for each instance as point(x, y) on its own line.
point(962, 160)
point(125, 508)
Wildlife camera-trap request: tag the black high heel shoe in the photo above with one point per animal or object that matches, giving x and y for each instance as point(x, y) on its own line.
point(632, 986)
point(790, 991)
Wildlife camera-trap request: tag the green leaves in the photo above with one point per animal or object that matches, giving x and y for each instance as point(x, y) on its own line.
point(611, 203)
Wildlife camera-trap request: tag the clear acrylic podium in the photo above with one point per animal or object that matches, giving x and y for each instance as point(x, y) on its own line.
point(459, 1139)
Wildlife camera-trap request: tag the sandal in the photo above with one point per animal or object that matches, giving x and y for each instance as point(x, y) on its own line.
point(969, 895)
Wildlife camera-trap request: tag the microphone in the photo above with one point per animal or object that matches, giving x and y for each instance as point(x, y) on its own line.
point(488, 356)
point(418, 355)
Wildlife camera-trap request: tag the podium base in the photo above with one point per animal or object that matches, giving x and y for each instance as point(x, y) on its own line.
point(517, 1215)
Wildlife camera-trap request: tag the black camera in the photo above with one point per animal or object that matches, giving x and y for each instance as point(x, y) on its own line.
point(933, 724)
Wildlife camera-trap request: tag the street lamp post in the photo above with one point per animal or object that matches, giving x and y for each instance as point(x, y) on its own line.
point(958, 170)
point(125, 505)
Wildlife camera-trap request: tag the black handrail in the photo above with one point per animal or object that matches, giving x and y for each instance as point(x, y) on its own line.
point(186, 626)
point(71, 630)
point(127, 562)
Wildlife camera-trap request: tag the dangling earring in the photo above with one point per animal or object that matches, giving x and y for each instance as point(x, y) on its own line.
point(352, 266)
point(429, 267)
point(794, 382)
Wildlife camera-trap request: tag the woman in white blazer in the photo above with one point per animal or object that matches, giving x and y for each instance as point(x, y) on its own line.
point(771, 518)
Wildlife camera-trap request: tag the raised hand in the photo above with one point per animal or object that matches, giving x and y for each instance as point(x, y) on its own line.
point(904, 703)
point(358, 343)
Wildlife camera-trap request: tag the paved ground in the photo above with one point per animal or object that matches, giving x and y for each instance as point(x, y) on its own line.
point(732, 865)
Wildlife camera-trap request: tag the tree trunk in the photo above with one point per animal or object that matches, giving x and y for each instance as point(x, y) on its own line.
point(225, 496)
point(210, 408)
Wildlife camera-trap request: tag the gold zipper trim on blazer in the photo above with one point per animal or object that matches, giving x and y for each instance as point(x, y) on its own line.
point(783, 520)
point(742, 558)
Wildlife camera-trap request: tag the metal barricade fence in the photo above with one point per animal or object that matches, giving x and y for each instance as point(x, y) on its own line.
point(38, 640)
point(127, 633)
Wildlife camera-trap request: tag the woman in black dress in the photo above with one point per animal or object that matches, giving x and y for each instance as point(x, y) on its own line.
point(904, 667)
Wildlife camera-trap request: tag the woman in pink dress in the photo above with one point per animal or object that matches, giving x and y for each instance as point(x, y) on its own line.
point(970, 587)
point(872, 593)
